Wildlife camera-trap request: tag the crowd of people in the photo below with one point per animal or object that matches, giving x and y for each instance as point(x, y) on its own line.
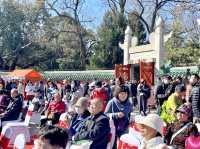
point(89, 107)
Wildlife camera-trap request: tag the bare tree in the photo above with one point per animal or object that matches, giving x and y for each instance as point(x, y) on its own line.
point(70, 10)
point(148, 10)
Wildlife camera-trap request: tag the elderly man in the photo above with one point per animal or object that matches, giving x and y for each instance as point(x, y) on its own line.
point(96, 127)
point(14, 108)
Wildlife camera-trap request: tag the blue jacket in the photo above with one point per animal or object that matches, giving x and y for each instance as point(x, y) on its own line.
point(113, 107)
point(77, 121)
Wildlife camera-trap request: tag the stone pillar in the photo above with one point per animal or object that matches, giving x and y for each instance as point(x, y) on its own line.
point(159, 43)
point(127, 44)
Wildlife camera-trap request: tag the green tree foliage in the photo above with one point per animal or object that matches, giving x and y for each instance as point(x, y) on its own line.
point(180, 50)
point(20, 34)
point(107, 52)
point(31, 37)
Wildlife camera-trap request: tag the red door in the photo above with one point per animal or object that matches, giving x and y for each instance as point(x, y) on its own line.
point(147, 72)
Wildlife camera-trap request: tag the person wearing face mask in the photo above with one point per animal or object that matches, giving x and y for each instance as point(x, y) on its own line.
point(81, 113)
point(163, 91)
point(119, 108)
point(14, 108)
point(169, 107)
point(195, 97)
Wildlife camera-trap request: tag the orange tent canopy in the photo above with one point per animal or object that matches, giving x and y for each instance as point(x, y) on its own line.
point(26, 74)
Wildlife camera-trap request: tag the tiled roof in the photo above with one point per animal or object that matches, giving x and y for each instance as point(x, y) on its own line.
point(79, 75)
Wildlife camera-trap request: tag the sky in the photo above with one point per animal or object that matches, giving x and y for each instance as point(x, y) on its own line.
point(94, 10)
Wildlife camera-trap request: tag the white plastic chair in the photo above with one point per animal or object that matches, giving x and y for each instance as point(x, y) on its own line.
point(11, 131)
point(19, 142)
point(31, 117)
point(16, 128)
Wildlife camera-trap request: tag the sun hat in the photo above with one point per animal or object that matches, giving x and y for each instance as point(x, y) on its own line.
point(151, 120)
point(83, 101)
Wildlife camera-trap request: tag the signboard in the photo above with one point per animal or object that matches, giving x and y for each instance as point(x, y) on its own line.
point(147, 72)
point(122, 71)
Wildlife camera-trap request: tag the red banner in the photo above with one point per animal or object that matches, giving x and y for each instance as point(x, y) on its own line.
point(122, 71)
point(147, 72)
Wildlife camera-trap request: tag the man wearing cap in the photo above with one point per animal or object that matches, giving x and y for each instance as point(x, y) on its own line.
point(170, 106)
point(81, 114)
point(179, 131)
point(96, 127)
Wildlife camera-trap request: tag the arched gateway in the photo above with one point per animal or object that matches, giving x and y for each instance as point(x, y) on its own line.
point(145, 60)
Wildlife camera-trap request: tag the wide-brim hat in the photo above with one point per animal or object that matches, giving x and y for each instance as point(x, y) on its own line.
point(153, 121)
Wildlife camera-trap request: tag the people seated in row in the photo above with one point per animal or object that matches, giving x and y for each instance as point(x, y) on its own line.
point(14, 108)
point(96, 127)
point(55, 108)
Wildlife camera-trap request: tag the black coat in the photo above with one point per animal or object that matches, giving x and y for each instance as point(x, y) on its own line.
point(162, 92)
point(133, 88)
point(195, 98)
point(13, 110)
point(145, 89)
point(97, 129)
